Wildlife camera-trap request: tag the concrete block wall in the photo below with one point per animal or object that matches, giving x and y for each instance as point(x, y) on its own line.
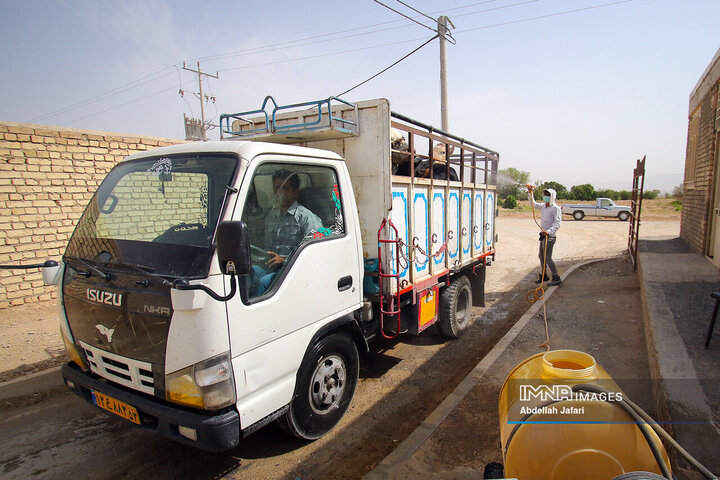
point(47, 176)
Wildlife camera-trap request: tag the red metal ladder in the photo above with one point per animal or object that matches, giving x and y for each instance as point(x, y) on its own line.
point(389, 303)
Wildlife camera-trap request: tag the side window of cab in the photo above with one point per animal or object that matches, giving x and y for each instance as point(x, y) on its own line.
point(287, 207)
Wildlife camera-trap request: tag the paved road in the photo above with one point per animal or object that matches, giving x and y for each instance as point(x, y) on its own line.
point(403, 381)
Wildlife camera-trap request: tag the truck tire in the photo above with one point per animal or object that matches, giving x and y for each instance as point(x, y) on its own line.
point(325, 386)
point(623, 216)
point(578, 214)
point(456, 307)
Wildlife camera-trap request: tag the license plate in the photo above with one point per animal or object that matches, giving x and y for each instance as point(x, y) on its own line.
point(117, 407)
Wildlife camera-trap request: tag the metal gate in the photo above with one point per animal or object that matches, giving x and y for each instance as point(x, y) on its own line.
point(636, 207)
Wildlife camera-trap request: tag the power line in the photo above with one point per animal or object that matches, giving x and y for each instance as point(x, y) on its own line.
point(288, 44)
point(528, 19)
point(149, 78)
point(265, 49)
point(543, 16)
point(388, 67)
point(494, 8)
point(417, 11)
point(321, 55)
point(102, 96)
point(123, 105)
point(403, 15)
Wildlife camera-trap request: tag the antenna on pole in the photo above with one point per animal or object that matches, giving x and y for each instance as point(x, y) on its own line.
point(203, 98)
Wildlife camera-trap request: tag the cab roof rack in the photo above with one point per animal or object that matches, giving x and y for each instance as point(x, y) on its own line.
point(331, 118)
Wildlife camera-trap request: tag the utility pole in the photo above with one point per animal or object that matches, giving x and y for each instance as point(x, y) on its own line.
point(443, 30)
point(200, 74)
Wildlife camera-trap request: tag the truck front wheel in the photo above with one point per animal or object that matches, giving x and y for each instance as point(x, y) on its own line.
point(578, 215)
point(325, 386)
point(456, 307)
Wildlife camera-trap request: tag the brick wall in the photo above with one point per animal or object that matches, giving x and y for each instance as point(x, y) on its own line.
point(697, 197)
point(47, 176)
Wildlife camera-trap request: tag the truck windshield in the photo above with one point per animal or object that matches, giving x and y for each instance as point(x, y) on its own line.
point(160, 212)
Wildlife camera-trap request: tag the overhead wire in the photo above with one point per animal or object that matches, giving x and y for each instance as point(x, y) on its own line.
point(265, 49)
point(105, 95)
point(388, 67)
point(124, 104)
point(416, 10)
point(539, 17)
point(162, 73)
point(180, 90)
point(406, 16)
point(321, 55)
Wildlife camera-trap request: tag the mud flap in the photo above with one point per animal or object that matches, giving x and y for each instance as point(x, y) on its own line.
point(477, 283)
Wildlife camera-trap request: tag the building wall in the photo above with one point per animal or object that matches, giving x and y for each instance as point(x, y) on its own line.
point(47, 176)
point(700, 160)
point(697, 197)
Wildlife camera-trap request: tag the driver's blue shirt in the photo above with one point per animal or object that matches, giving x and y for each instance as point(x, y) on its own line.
point(285, 231)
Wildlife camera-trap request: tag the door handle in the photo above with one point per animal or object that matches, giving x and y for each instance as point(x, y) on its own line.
point(345, 283)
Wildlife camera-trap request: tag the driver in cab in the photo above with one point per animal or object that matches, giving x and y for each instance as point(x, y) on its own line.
point(285, 227)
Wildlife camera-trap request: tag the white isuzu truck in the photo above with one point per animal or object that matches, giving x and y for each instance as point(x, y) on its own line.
point(211, 288)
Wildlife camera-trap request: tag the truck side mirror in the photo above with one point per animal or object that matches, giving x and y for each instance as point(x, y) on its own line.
point(233, 248)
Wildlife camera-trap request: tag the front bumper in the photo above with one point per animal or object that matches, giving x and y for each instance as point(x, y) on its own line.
point(215, 432)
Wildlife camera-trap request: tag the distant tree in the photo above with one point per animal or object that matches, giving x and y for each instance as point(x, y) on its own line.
point(615, 195)
point(625, 194)
point(678, 191)
point(560, 189)
point(651, 194)
point(510, 202)
point(583, 192)
point(511, 181)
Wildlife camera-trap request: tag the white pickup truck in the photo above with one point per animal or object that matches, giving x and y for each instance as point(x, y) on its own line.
point(604, 207)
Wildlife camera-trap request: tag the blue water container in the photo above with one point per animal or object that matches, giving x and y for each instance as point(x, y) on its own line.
point(371, 285)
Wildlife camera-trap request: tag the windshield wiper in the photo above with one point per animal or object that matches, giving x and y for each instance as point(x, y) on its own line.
point(105, 276)
point(145, 270)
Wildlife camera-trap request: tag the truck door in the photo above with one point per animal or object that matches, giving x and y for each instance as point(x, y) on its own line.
point(306, 269)
point(605, 207)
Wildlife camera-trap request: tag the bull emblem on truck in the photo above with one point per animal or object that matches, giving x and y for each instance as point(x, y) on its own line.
point(108, 332)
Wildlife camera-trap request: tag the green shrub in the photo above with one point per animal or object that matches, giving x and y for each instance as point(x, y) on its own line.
point(510, 202)
point(677, 205)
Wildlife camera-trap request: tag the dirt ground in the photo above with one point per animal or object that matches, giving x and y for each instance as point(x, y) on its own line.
point(597, 311)
point(401, 383)
point(30, 338)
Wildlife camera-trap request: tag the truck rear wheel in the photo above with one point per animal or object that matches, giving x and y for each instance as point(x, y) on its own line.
point(623, 216)
point(456, 307)
point(325, 386)
point(578, 215)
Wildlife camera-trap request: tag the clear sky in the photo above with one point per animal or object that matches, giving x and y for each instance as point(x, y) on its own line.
point(572, 97)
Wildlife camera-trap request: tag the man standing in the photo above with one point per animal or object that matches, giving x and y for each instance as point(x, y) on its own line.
point(550, 220)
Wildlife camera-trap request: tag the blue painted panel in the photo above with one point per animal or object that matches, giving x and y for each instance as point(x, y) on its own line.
point(400, 219)
point(489, 212)
point(420, 205)
point(467, 201)
point(456, 231)
point(478, 222)
point(439, 197)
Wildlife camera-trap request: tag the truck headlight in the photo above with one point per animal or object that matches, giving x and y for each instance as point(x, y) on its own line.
point(73, 352)
point(207, 385)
